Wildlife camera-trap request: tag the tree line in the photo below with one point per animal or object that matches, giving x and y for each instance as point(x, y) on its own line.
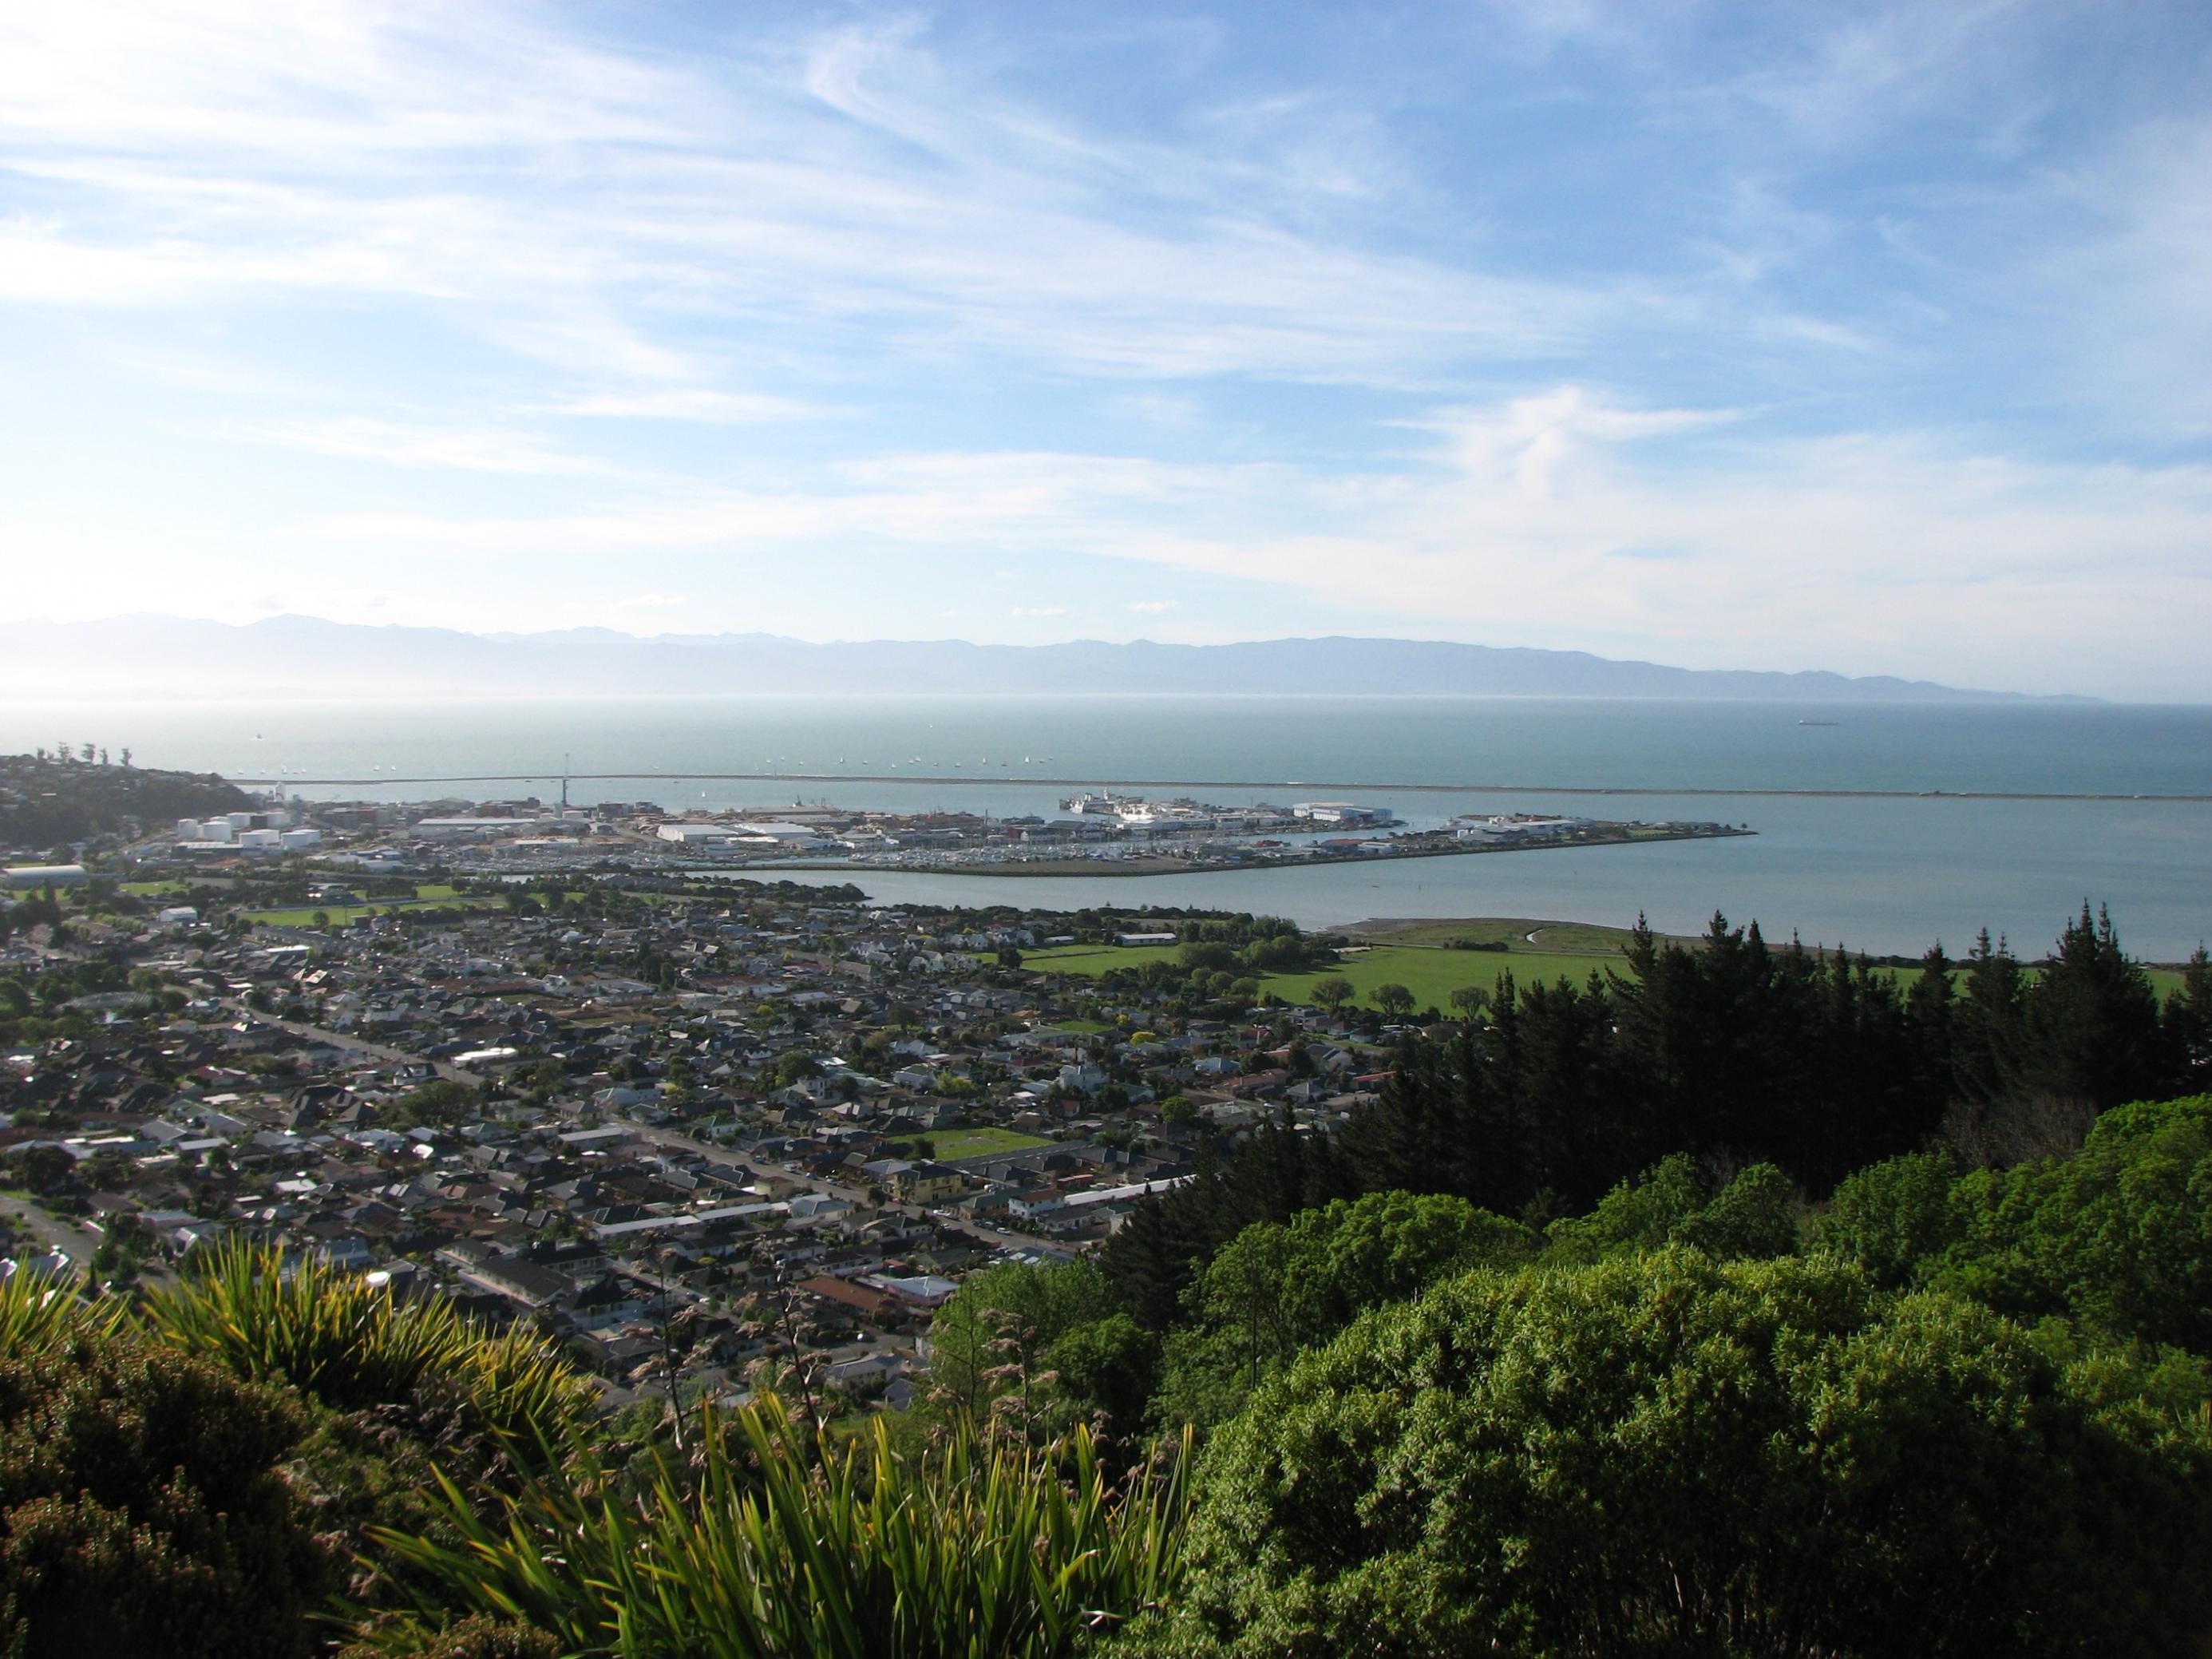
point(1728, 1051)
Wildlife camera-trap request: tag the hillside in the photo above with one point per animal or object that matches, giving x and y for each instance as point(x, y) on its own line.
point(44, 801)
point(153, 655)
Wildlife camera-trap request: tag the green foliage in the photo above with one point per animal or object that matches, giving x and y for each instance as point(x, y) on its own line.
point(437, 1105)
point(1754, 1215)
point(2119, 1237)
point(1666, 1455)
point(1889, 1217)
point(1276, 1289)
point(141, 1505)
point(763, 1549)
point(994, 1335)
point(347, 1343)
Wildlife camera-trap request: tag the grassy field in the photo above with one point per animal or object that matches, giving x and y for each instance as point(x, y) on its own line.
point(1520, 933)
point(1092, 960)
point(1430, 972)
point(1413, 954)
point(428, 895)
point(955, 1144)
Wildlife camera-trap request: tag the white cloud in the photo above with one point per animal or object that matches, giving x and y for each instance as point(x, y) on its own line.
point(399, 444)
point(686, 404)
point(216, 151)
point(1153, 607)
point(1537, 520)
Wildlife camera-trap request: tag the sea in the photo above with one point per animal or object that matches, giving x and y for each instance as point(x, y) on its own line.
point(1884, 827)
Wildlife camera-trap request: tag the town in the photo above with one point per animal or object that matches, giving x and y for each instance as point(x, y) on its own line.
point(1096, 834)
point(689, 1126)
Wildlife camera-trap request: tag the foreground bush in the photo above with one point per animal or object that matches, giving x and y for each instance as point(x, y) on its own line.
point(142, 1506)
point(344, 1341)
point(759, 1549)
point(1668, 1456)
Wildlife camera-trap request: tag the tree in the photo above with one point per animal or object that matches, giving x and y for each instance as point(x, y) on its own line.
point(1890, 1217)
point(792, 1066)
point(992, 1337)
point(45, 1171)
point(1276, 1289)
point(1667, 1454)
point(1333, 991)
point(1469, 1000)
point(2117, 1237)
point(2189, 1021)
point(2091, 1027)
point(1394, 1000)
point(143, 1509)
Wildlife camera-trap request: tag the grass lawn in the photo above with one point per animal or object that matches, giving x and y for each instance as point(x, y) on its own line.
point(1092, 960)
point(1419, 963)
point(431, 895)
point(152, 889)
point(1432, 975)
point(953, 1144)
point(1560, 937)
point(1412, 954)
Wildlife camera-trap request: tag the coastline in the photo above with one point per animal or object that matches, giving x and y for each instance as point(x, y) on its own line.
point(1015, 779)
point(1122, 868)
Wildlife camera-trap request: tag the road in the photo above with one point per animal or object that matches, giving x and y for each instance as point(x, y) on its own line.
point(359, 1045)
point(35, 1231)
point(996, 1238)
point(48, 1232)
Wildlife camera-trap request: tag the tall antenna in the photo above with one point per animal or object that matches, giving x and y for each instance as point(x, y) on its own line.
point(564, 783)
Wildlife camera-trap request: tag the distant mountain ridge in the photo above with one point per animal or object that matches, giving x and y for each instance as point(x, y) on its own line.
point(175, 657)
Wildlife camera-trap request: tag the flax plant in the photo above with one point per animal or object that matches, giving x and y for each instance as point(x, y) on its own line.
point(346, 1341)
point(769, 1545)
point(38, 1315)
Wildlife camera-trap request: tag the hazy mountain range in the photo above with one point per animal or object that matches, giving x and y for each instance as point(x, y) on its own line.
point(173, 657)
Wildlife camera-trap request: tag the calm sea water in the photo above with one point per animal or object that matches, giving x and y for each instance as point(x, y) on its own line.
point(1884, 874)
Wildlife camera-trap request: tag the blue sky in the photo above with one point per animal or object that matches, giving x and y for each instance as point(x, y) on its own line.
point(1871, 338)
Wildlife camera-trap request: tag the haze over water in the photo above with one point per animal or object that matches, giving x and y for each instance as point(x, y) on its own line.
point(1884, 874)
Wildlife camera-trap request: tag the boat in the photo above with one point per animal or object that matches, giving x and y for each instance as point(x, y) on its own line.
point(1820, 722)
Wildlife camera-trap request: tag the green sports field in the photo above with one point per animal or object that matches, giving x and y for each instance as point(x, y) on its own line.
point(1422, 963)
point(955, 1144)
point(1416, 955)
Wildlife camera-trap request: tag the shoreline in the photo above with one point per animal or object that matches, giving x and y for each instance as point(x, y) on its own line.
point(1124, 868)
point(1015, 780)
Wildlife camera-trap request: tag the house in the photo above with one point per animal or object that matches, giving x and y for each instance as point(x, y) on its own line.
point(927, 1183)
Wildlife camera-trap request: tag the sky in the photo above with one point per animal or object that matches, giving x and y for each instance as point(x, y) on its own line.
point(1870, 339)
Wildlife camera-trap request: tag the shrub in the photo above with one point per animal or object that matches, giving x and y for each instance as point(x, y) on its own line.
point(761, 1548)
point(142, 1507)
point(1666, 1455)
point(344, 1341)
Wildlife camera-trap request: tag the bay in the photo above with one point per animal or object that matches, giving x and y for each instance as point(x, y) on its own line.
point(1885, 874)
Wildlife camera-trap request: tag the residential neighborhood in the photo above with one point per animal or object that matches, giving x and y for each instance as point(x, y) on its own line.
point(688, 1128)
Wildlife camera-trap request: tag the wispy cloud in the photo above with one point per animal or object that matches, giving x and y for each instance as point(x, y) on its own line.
point(401, 444)
point(1871, 336)
point(1559, 518)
